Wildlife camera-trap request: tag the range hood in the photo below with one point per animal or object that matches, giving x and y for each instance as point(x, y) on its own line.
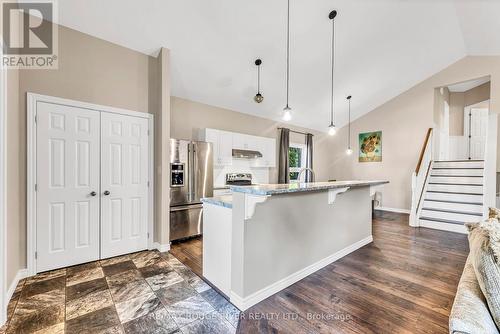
point(246, 154)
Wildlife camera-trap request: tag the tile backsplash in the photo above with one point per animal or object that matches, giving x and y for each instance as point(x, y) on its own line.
point(259, 174)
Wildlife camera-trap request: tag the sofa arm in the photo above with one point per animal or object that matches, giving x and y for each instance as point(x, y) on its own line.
point(470, 313)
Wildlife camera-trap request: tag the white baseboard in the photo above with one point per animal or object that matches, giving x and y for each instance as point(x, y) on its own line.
point(244, 303)
point(384, 208)
point(162, 248)
point(443, 226)
point(23, 273)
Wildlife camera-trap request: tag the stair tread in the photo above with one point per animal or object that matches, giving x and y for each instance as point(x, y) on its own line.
point(454, 202)
point(453, 192)
point(454, 211)
point(457, 184)
point(440, 220)
point(456, 176)
point(468, 160)
point(457, 167)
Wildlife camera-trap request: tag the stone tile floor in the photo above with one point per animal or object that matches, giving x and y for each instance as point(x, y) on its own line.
point(145, 292)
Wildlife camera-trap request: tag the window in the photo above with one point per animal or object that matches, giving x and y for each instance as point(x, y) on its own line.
point(296, 160)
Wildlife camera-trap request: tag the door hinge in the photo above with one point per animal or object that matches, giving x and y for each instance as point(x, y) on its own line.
point(148, 184)
point(148, 235)
point(36, 255)
point(148, 132)
point(36, 118)
point(36, 187)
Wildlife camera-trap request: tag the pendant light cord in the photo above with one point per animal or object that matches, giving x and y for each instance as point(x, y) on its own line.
point(332, 116)
point(258, 79)
point(349, 128)
point(287, 53)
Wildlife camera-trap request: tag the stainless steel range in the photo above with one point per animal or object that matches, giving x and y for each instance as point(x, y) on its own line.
point(191, 178)
point(239, 179)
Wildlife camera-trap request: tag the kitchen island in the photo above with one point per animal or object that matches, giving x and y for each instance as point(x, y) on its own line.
point(264, 238)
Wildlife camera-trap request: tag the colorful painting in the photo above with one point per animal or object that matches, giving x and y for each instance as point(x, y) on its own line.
point(370, 147)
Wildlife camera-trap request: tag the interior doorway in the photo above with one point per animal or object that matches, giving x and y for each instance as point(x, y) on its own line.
point(463, 110)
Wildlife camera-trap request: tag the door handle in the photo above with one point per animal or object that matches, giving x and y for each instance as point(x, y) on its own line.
point(93, 193)
point(106, 193)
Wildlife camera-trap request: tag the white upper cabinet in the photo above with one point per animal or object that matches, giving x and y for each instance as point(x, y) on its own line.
point(224, 142)
point(225, 154)
point(266, 146)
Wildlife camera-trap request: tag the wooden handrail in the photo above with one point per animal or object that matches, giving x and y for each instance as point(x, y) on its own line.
point(423, 150)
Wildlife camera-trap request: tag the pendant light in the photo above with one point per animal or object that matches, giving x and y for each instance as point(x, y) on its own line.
point(287, 111)
point(331, 128)
point(349, 150)
point(258, 97)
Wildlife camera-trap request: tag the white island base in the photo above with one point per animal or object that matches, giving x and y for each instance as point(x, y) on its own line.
point(268, 238)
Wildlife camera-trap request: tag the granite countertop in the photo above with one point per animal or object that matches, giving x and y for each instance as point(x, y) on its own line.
point(224, 200)
point(276, 189)
point(221, 187)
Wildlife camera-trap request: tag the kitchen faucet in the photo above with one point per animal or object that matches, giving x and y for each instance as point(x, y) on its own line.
point(306, 169)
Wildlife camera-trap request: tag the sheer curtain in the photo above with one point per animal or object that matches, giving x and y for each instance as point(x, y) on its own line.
point(283, 172)
point(309, 157)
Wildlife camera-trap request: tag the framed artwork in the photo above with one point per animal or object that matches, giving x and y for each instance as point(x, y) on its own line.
point(370, 146)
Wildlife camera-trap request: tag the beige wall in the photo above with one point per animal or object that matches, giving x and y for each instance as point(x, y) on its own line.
point(162, 157)
point(187, 117)
point(460, 100)
point(90, 70)
point(404, 121)
point(16, 181)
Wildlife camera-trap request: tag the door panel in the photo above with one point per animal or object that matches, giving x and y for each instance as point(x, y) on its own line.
point(67, 231)
point(478, 133)
point(124, 174)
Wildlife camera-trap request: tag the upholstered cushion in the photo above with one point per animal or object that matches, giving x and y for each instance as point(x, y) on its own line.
point(494, 213)
point(470, 313)
point(484, 244)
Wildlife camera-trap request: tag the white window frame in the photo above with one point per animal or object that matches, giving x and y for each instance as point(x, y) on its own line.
point(302, 160)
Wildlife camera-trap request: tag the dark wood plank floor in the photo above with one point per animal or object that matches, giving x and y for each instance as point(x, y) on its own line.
point(190, 253)
point(403, 282)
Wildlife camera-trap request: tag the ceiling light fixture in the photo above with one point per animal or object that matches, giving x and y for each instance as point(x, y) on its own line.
point(349, 150)
point(331, 128)
point(287, 111)
point(258, 97)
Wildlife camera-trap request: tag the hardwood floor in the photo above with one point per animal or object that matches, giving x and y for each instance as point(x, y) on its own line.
point(190, 253)
point(403, 282)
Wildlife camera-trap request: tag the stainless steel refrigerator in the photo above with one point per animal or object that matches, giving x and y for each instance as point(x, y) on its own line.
point(191, 178)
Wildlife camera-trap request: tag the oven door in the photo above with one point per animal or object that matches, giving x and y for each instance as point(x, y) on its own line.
point(186, 221)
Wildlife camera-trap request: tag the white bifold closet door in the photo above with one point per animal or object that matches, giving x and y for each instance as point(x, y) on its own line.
point(67, 186)
point(92, 185)
point(124, 184)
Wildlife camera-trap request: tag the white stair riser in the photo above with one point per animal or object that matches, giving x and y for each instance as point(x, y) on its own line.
point(458, 164)
point(450, 216)
point(455, 188)
point(458, 171)
point(453, 206)
point(456, 180)
point(443, 226)
point(455, 197)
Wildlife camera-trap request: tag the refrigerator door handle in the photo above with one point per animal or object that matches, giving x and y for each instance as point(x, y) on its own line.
point(189, 172)
point(195, 174)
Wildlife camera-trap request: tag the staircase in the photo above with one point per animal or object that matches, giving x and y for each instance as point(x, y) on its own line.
point(453, 195)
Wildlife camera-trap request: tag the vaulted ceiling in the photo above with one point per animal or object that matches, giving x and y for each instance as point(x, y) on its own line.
point(384, 47)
